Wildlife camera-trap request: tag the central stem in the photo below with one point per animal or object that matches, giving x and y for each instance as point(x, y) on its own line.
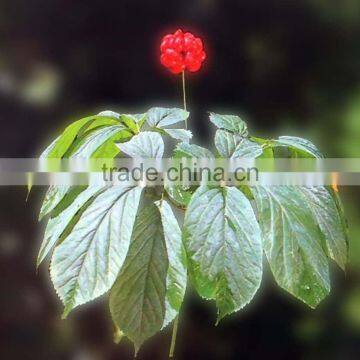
point(176, 320)
point(184, 93)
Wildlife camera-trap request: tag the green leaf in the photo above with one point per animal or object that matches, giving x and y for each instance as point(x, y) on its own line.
point(68, 199)
point(138, 297)
point(99, 144)
point(53, 197)
point(329, 220)
point(247, 149)
point(177, 272)
point(109, 149)
point(61, 145)
point(190, 150)
point(179, 134)
point(95, 140)
point(133, 122)
point(97, 123)
point(266, 145)
point(86, 263)
point(110, 113)
point(58, 198)
point(137, 118)
point(162, 117)
point(231, 123)
point(106, 146)
point(340, 208)
point(235, 146)
point(179, 195)
point(147, 144)
point(325, 203)
point(223, 243)
point(293, 242)
point(57, 225)
point(226, 143)
point(48, 150)
point(302, 146)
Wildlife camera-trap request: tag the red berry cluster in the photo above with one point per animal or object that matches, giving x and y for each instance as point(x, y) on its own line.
point(182, 51)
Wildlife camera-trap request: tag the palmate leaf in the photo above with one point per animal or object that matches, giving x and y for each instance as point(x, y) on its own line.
point(293, 242)
point(324, 202)
point(223, 244)
point(101, 241)
point(301, 226)
point(85, 264)
point(150, 287)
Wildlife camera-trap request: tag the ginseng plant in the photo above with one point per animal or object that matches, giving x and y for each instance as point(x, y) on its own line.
point(125, 241)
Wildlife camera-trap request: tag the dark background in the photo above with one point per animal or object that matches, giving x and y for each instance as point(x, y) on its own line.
point(288, 67)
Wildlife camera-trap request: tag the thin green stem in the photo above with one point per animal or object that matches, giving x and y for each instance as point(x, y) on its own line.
point(184, 94)
point(173, 338)
point(176, 320)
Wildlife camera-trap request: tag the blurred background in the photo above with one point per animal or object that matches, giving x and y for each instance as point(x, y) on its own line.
point(288, 67)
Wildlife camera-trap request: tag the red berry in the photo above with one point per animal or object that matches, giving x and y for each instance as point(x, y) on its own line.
point(182, 51)
point(166, 42)
point(179, 33)
point(192, 62)
point(178, 44)
point(177, 69)
point(195, 66)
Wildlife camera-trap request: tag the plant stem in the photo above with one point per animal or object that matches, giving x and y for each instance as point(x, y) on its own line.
point(173, 338)
point(176, 321)
point(184, 94)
